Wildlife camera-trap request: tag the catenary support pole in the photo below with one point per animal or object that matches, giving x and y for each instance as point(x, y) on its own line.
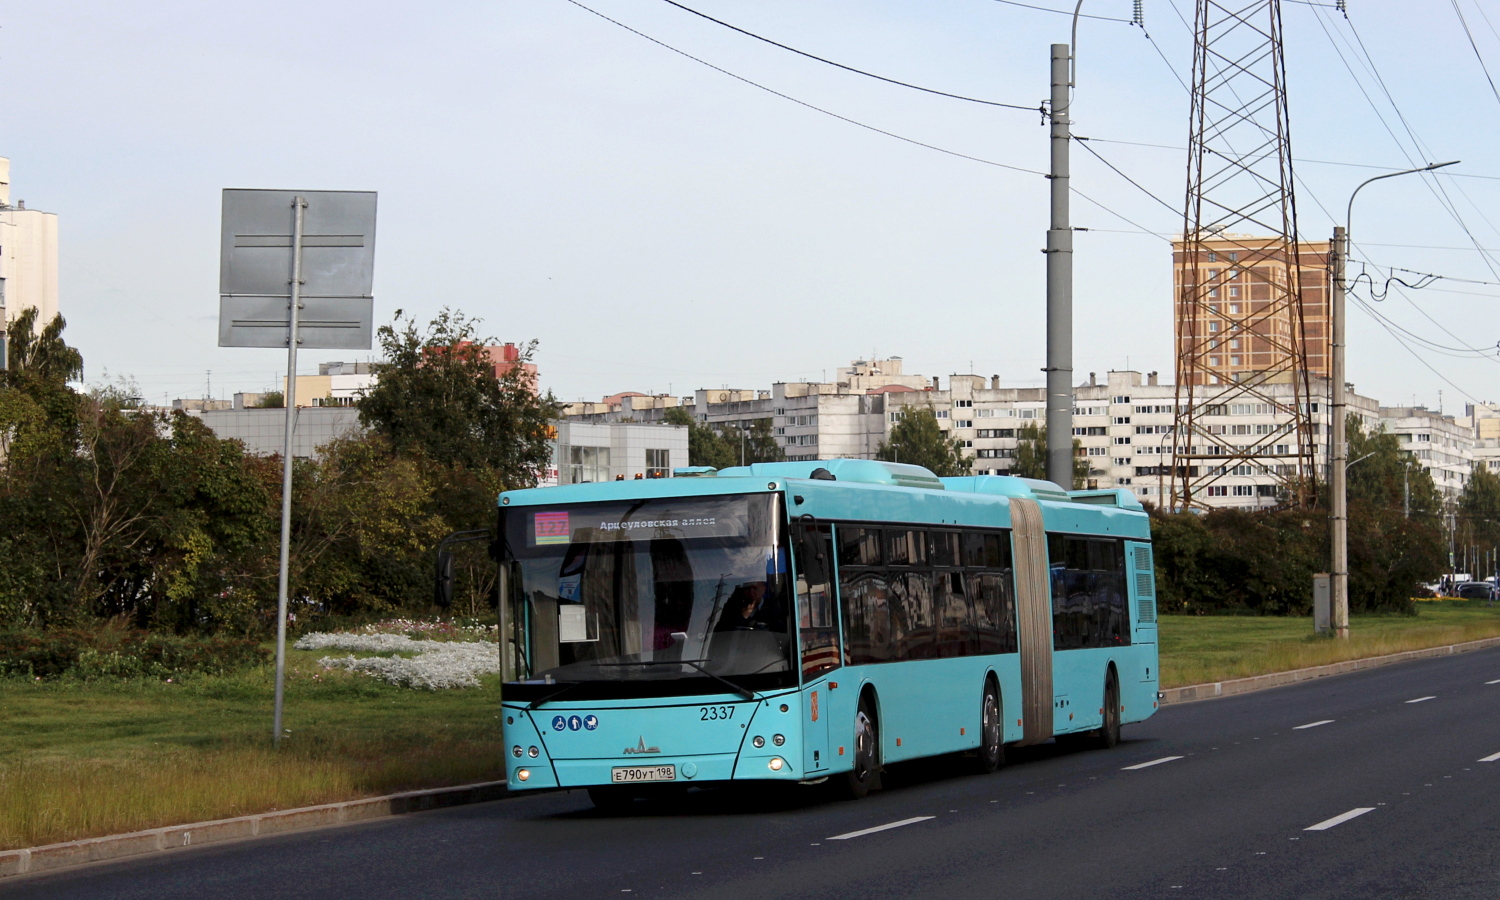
point(289, 398)
point(1338, 447)
point(1060, 284)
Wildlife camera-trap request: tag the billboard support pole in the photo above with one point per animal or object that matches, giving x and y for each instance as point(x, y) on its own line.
point(289, 400)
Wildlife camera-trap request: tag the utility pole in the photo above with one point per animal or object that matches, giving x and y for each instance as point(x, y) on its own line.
point(1338, 446)
point(1060, 282)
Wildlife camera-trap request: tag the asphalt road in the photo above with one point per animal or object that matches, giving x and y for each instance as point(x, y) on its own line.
point(1367, 785)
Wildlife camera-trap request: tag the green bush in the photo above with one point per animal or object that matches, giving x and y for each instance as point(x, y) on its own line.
point(122, 654)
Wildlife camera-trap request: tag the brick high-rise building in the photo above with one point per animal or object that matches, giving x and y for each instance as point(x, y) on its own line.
point(1242, 337)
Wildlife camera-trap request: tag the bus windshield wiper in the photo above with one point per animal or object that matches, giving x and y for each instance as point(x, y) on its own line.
point(738, 689)
point(557, 693)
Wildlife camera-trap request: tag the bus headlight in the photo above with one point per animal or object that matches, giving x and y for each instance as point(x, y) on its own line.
point(533, 752)
point(778, 739)
point(523, 774)
point(776, 764)
point(758, 741)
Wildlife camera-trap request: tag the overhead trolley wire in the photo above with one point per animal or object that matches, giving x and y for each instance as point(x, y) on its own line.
point(838, 65)
point(1064, 12)
point(1468, 34)
point(803, 103)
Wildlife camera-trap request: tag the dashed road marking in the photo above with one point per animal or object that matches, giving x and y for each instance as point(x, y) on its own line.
point(1496, 681)
point(1312, 724)
point(1154, 762)
point(1420, 699)
point(886, 827)
point(1493, 757)
point(1340, 819)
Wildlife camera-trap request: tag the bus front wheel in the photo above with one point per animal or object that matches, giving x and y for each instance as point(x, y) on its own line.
point(856, 783)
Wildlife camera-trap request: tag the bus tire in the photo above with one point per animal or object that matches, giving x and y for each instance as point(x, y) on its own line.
point(865, 774)
point(991, 739)
point(611, 798)
point(1109, 731)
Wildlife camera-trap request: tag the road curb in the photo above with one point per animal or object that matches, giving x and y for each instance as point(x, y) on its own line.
point(53, 857)
point(1195, 692)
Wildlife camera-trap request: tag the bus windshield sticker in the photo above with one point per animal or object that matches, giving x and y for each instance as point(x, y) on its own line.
point(551, 528)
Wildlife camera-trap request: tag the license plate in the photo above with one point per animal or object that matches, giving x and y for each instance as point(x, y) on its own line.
point(632, 774)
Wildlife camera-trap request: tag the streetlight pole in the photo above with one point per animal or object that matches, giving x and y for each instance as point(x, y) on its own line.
point(1338, 441)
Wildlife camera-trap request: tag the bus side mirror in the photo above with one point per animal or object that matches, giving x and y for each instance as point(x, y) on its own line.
point(443, 590)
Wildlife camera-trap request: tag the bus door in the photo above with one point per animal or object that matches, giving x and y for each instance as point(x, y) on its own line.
point(1143, 614)
point(1034, 614)
point(818, 636)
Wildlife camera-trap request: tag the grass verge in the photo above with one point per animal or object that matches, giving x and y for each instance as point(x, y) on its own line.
point(83, 759)
point(1203, 649)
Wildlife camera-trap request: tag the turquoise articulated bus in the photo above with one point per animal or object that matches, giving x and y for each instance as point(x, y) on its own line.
point(814, 621)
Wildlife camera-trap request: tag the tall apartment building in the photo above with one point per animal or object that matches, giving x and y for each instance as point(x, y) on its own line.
point(1240, 271)
point(28, 256)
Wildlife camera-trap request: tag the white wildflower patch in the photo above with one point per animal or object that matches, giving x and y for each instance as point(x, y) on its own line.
point(433, 665)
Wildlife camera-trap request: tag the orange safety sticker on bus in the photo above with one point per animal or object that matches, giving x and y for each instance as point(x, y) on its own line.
point(815, 706)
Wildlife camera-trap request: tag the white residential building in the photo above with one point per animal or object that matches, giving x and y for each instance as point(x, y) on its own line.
point(1442, 444)
point(28, 256)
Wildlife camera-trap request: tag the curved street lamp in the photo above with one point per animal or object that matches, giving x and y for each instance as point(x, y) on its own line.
point(1338, 485)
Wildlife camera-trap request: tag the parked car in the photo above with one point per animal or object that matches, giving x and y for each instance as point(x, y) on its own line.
point(1476, 590)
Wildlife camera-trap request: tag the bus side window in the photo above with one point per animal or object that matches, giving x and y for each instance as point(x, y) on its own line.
point(818, 630)
point(859, 546)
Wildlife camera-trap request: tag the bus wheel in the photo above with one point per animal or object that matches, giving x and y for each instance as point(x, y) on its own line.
point(991, 743)
point(1109, 732)
point(857, 782)
point(611, 798)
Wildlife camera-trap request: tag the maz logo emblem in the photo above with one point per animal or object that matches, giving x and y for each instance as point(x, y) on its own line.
point(641, 748)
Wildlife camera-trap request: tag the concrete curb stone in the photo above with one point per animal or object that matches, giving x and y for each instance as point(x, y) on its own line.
point(1195, 692)
point(75, 853)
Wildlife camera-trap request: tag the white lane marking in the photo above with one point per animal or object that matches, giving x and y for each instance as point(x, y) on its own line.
point(1420, 699)
point(1154, 762)
point(1340, 819)
point(1493, 757)
point(1496, 681)
point(886, 827)
point(1312, 724)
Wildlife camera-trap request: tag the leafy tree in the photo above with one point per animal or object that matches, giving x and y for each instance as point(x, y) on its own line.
point(40, 354)
point(1031, 456)
point(271, 400)
point(1478, 514)
point(438, 395)
point(1396, 539)
point(723, 447)
point(917, 439)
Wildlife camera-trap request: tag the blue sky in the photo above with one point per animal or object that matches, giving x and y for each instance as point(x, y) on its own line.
point(659, 225)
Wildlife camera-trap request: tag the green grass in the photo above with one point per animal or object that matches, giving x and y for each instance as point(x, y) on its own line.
point(1200, 649)
point(85, 759)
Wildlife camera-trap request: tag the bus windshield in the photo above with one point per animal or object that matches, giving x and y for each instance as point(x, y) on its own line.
point(672, 595)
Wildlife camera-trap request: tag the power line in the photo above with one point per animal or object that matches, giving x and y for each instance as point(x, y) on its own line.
point(1121, 217)
point(1083, 142)
point(1063, 12)
point(1462, 21)
point(839, 65)
point(803, 103)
